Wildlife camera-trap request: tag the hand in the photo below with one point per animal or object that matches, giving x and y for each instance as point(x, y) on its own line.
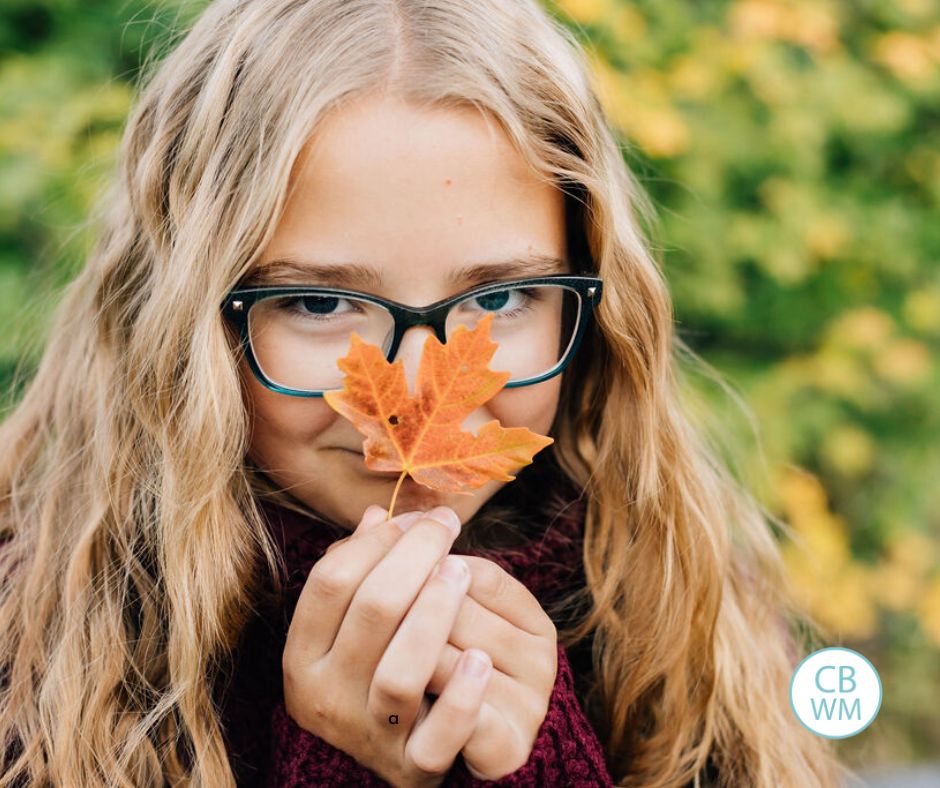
point(500, 616)
point(364, 642)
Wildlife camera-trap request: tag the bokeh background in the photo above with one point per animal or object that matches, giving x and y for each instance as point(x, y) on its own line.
point(792, 149)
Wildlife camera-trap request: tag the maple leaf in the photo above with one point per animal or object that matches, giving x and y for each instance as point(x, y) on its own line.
point(420, 434)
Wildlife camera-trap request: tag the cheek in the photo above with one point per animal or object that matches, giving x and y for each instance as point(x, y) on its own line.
point(533, 407)
point(279, 421)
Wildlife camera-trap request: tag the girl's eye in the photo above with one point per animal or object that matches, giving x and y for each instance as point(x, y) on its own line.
point(516, 301)
point(507, 303)
point(313, 306)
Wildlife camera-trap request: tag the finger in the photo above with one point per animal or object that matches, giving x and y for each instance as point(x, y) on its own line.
point(384, 597)
point(332, 582)
point(510, 648)
point(498, 591)
point(448, 658)
point(372, 517)
point(499, 739)
point(411, 657)
point(435, 742)
point(510, 717)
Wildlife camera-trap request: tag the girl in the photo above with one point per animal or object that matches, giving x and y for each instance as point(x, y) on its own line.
point(200, 580)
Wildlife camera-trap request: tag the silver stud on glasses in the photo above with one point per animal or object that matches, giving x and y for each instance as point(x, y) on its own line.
point(238, 306)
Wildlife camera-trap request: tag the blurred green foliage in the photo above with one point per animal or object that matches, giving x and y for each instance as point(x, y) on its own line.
point(792, 148)
point(66, 86)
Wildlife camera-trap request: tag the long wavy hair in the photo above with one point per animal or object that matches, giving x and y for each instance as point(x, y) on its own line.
point(134, 545)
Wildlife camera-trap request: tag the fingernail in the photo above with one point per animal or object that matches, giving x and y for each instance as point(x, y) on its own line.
point(372, 516)
point(453, 568)
point(446, 516)
point(405, 521)
point(476, 663)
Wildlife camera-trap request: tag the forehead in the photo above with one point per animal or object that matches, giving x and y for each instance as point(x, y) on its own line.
point(387, 139)
point(415, 189)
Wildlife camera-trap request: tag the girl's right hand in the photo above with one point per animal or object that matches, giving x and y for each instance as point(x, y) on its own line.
point(364, 642)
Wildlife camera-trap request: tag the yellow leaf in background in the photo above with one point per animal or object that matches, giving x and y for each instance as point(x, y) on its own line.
point(802, 494)
point(841, 593)
point(902, 572)
point(865, 328)
point(905, 55)
point(756, 18)
point(932, 42)
point(849, 450)
point(611, 91)
point(627, 24)
point(922, 310)
point(661, 131)
point(826, 537)
point(913, 551)
point(837, 372)
point(817, 530)
point(637, 105)
point(788, 264)
point(928, 611)
point(692, 77)
point(586, 11)
point(805, 575)
point(839, 597)
point(740, 56)
point(895, 588)
point(922, 9)
point(846, 602)
point(647, 87)
point(779, 193)
point(813, 25)
point(827, 236)
point(903, 361)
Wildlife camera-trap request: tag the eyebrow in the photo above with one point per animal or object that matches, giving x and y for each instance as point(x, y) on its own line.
point(286, 270)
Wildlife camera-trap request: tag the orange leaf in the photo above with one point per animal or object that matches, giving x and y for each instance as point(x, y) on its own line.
point(420, 435)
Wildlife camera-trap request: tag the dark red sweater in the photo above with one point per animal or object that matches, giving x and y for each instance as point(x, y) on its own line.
point(267, 748)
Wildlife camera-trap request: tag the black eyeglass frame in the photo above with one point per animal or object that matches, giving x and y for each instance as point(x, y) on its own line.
point(239, 301)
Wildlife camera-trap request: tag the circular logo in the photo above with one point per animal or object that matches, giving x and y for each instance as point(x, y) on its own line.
point(835, 692)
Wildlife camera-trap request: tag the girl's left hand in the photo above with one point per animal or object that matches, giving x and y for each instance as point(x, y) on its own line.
point(500, 616)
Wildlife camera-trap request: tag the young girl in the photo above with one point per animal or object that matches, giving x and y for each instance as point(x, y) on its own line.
point(201, 581)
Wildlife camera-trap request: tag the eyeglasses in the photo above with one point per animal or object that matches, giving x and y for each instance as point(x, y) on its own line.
point(293, 338)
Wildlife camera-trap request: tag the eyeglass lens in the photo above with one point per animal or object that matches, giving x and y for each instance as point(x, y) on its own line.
point(298, 340)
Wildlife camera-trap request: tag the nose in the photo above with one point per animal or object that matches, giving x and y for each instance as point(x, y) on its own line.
point(410, 350)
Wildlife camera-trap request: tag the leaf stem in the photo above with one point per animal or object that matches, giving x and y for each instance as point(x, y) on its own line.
point(395, 494)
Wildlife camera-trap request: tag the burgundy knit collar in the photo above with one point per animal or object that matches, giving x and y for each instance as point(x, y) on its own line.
point(549, 560)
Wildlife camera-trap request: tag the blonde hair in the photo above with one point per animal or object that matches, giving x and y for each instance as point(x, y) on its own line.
point(135, 549)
